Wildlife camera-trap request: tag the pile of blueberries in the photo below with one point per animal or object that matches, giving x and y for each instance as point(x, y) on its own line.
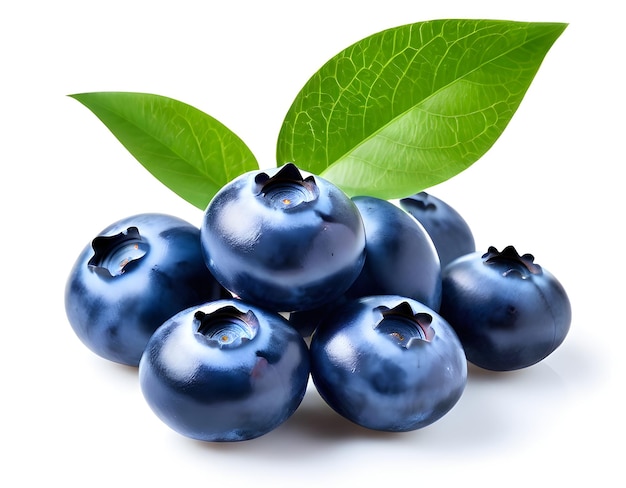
point(380, 304)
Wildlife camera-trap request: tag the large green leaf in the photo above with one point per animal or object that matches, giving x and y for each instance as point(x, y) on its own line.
point(187, 150)
point(412, 106)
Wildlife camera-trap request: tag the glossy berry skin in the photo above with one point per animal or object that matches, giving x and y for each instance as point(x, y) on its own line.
point(224, 371)
point(450, 233)
point(388, 363)
point(400, 257)
point(283, 240)
point(134, 275)
point(508, 311)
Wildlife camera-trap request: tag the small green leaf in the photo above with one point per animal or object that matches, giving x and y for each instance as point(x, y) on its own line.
point(184, 148)
point(412, 106)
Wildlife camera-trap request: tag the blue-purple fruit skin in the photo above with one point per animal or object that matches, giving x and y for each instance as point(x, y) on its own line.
point(283, 239)
point(115, 311)
point(209, 386)
point(400, 257)
point(508, 312)
point(365, 374)
point(449, 231)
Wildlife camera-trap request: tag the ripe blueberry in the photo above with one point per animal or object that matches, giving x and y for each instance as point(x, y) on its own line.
point(508, 311)
point(388, 363)
point(283, 240)
point(400, 257)
point(133, 276)
point(224, 371)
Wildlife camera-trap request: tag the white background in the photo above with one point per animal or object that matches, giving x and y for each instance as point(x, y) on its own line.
point(551, 186)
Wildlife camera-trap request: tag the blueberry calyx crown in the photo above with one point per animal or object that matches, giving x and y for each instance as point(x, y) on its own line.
point(512, 263)
point(403, 326)
point(115, 255)
point(287, 188)
point(227, 327)
point(420, 200)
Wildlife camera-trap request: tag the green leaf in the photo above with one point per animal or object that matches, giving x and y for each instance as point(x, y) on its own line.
point(184, 148)
point(412, 106)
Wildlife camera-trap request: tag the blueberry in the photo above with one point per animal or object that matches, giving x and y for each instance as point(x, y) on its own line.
point(133, 276)
point(224, 371)
point(508, 311)
point(450, 233)
point(283, 240)
point(400, 257)
point(388, 363)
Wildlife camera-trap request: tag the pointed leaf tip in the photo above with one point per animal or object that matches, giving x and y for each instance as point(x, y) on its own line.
point(187, 150)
